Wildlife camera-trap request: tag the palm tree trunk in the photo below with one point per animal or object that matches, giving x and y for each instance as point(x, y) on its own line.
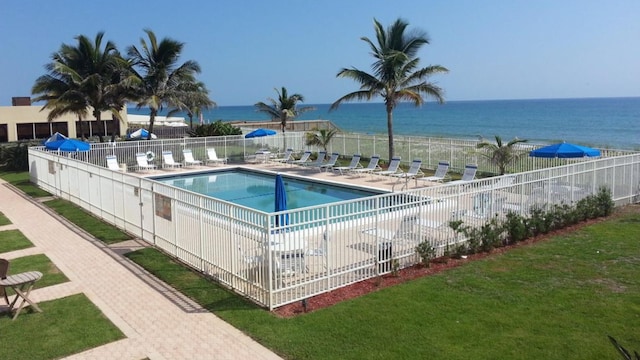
point(152, 119)
point(81, 126)
point(390, 130)
point(98, 117)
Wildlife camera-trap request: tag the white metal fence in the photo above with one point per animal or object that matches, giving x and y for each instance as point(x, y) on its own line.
point(320, 248)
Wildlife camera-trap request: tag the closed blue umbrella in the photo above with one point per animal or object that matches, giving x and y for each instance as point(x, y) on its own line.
point(68, 145)
point(564, 150)
point(260, 133)
point(281, 201)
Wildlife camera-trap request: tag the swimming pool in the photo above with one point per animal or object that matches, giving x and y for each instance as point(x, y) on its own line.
point(257, 190)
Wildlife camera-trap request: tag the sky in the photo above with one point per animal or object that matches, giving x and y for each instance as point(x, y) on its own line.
point(500, 49)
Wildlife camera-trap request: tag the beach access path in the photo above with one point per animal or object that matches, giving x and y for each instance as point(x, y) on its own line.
point(158, 322)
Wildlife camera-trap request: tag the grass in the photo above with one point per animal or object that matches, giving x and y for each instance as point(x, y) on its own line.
point(66, 326)
point(51, 275)
point(21, 181)
point(556, 299)
point(4, 220)
point(94, 226)
point(11, 240)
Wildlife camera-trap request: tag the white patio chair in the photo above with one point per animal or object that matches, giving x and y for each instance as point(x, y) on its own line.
point(212, 157)
point(413, 173)
point(112, 163)
point(393, 168)
point(167, 160)
point(303, 159)
point(468, 175)
point(287, 157)
point(441, 173)
point(187, 154)
point(354, 164)
point(330, 163)
point(371, 167)
point(319, 161)
point(143, 164)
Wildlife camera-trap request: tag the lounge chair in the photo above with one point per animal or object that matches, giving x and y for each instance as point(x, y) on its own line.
point(330, 163)
point(287, 157)
point(212, 157)
point(319, 161)
point(303, 159)
point(112, 163)
point(393, 168)
point(441, 173)
point(408, 232)
point(167, 160)
point(413, 173)
point(371, 167)
point(354, 164)
point(4, 269)
point(468, 175)
point(187, 154)
point(143, 164)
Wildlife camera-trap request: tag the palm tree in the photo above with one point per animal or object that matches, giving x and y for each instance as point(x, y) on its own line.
point(320, 138)
point(500, 154)
point(194, 97)
point(284, 108)
point(396, 76)
point(160, 76)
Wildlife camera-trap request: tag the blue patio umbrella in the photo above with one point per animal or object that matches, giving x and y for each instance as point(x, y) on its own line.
point(68, 145)
point(281, 201)
point(55, 137)
point(259, 133)
point(564, 151)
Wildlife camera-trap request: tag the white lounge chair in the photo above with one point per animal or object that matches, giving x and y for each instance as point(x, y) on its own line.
point(167, 160)
point(187, 154)
point(112, 163)
point(354, 164)
point(143, 164)
point(371, 167)
point(330, 163)
point(212, 157)
point(502, 182)
point(319, 161)
point(413, 173)
point(303, 159)
point(468, 175)
point(287, 157)
point(393, 168)
point(441, 173)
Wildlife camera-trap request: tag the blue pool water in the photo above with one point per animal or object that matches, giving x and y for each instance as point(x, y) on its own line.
point(257, 190)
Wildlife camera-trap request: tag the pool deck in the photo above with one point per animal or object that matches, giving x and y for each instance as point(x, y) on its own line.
point(385, 183)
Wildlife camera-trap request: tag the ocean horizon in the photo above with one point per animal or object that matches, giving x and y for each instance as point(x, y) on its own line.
point(600, 122)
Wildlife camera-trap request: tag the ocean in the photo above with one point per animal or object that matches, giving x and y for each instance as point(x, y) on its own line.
point(601, 122)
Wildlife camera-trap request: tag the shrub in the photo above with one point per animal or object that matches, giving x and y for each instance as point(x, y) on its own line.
point(218, 128)
point(491, 234)
point(604, 201)
point(426, 252)
point(516, 229)
point(16, 157)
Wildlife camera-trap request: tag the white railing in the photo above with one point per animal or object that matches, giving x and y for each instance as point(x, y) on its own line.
point(321, 248)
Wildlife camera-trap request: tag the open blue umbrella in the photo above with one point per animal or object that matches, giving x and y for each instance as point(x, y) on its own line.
point(259, 133)
point(281, 201)
point(564, 150)
point(68, 145)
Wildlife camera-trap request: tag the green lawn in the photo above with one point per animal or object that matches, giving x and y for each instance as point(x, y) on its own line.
point(4, 220)
point(51, 275)
point(21, 181)
point(65, 327)
point(11, 240)
point(558, 299)
point(94, 226)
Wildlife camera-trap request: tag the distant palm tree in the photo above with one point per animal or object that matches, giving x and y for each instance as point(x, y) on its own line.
point(284, 108)
point(94, 76)
point(161, 78)
point(194, 97)
point(500, 154)
point(396, 76)
point(320, 138)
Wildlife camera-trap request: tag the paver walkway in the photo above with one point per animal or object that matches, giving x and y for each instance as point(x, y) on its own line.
point(158, 322)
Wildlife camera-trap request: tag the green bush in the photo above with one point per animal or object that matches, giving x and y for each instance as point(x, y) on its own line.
point(426, 252)
point(516, 228)
point(15, 156)
point(218, 128)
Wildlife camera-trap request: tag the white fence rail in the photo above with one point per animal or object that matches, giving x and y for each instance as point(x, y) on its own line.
point(320, 248)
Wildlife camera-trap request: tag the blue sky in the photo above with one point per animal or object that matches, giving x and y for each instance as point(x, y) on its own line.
point(503, 49)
